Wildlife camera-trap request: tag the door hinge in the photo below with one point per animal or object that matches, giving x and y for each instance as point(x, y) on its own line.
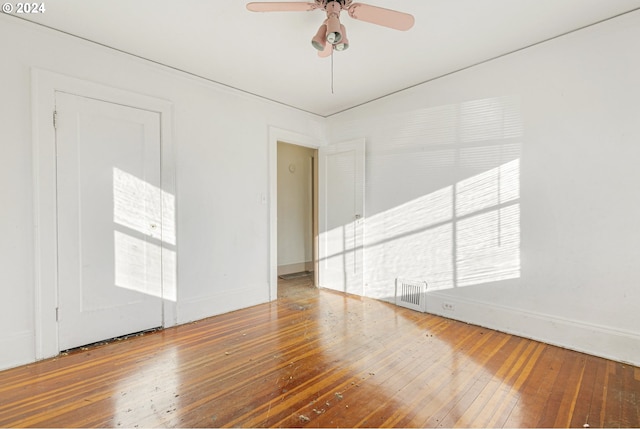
point(57, 314)
point(55, 119)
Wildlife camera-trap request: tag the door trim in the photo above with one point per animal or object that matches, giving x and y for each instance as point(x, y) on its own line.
point(291, 137)
point(44, 85)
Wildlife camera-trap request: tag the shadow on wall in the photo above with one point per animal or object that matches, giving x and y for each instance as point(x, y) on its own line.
point(443, 197)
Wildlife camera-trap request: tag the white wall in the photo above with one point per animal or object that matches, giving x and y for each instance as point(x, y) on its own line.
point(221, 144)
point(294, 208)
point(513, 189)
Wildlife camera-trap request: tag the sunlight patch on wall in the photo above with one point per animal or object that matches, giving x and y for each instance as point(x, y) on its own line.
point(431, 209)
point(488, 247)
point(143, 207)
point(144, 267)
point(143, 213)
point(412, 238)
point(443, 194)
point(488, 243)
point(461, 235)
point(491, 188)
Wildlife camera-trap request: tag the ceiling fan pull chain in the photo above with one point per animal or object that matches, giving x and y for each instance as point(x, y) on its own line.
point(332, 71)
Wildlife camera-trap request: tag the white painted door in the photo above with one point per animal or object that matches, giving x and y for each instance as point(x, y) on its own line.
point(341, 216)
point(109, 220)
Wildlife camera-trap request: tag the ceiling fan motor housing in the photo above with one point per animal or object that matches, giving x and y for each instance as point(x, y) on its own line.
point(322, 4)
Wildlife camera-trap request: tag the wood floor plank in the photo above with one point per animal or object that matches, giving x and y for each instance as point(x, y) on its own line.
point(535, 391)
point(319, 358)
point(630, 393)
point(583, 403)
point(613, 412)
point(568, 400)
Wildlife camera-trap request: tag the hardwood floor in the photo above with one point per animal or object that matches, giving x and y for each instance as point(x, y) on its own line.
point(322, 359)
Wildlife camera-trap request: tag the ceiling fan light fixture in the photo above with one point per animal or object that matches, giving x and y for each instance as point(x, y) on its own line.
point(319, 41)
point(334, 37)
point(343, 45)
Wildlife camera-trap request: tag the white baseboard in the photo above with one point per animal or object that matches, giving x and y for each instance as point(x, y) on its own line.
point(603, 341)
point(17, 349)
point(295, 268)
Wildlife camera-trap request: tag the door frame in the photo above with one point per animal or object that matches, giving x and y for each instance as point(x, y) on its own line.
point(285, 136)
point(44, 85)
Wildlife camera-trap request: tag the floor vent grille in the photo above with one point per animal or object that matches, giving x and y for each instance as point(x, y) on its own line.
point(411, 294)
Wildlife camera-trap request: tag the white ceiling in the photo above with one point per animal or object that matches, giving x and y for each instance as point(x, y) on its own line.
point(270, 54)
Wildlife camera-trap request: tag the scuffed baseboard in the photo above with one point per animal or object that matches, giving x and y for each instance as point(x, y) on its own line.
point(597, 340)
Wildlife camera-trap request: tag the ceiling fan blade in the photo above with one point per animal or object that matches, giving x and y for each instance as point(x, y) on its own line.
point(281, 6)
point(381, 16)
point(328, 49)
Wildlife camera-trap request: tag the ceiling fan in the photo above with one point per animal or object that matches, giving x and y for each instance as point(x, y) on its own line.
point(332, 34)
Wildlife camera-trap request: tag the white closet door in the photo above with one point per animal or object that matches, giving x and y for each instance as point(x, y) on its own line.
point(109, 220)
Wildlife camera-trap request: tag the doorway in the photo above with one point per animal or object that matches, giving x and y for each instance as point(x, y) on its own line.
point(297, 211)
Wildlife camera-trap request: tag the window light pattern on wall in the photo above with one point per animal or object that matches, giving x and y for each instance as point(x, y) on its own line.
point(144, 236)
point(461, 235)
point(443, 194)
point(487, 218)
